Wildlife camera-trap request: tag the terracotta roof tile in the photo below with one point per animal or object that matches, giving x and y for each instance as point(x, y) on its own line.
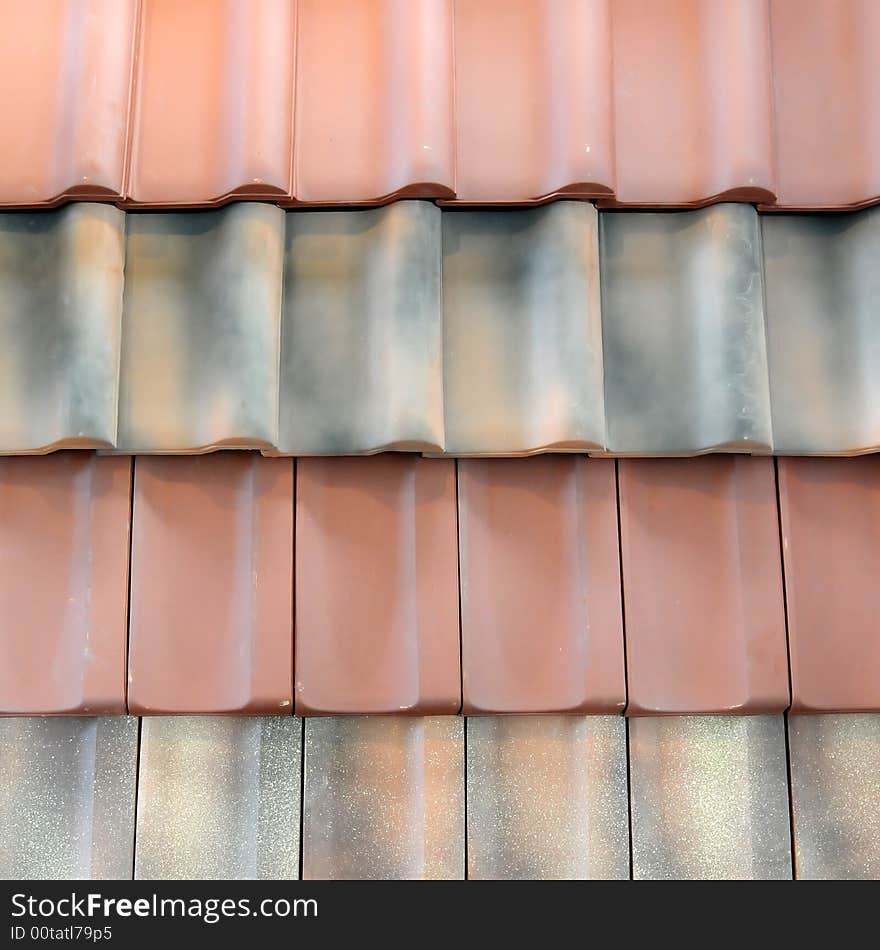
point(693, 112)
point(213, 103)
point(532, 100)
point(211, 591)
point(702, 584)
point(377, 586)
point(539, 552)
point(65, 86)
point(64, 545)
point(831, 545)
point(827, 91)
point(374, 100)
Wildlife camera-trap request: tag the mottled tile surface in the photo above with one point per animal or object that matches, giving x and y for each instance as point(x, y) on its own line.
point(218, 797)
point(709, 798)
point(67, 797)
point(384, 798)
point(547, 797)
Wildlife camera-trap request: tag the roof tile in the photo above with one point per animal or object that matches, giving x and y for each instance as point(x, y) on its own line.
point(361, 362)
point(822, 292)
point(64, 97)
point(709, 798)
point(211, 592)
point(201, 329)
point(827, 91)
point(213, 115)
point(835, 761)
point(384, 798)
point(692, 101)
point(547, 798)
point(830, 512)
point(702, 584)
point(219, 798)
point(374, 107)
point(60, 310)
point(67, 793)
point(539, 552)
point(64, 520)
point(532, 97)
point(683, 331)
point(377, 586)
point(522, 331)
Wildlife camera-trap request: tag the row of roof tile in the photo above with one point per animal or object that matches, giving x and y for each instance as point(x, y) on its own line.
point(515, 797)
point(668, 102)
point(417, 585)
point(460, 333)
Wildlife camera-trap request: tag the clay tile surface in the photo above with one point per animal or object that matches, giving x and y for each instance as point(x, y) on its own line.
point(374, 100)
point(383, 798)
point(64, 97)
point(213, 109)
point(547, 798)
point(827, 89)
point(60, 311)
point(67, 791)
point(823, 339)
point(540, 586)
point(201, 329)
point(533, 99)
point(831, 545)
point(64, 520)
point(522, 331)
point(683, 330)
point(361, 363)
point(211, 592)
point(693, 110)
point(702, 584)
point(709, 798)
point(835, 808)
point(219, 798)
point(377, 586)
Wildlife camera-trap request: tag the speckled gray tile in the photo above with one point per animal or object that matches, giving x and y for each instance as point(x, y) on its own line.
point(522, 342)
point(361, 363)
point(67, 789)
point(823, 335)
point(201, 329)
point(709, 797)
point(683, 330)
point(384, 798)
point(835, 786)
point(547, 797)
point(218, 797)
point(60, 313)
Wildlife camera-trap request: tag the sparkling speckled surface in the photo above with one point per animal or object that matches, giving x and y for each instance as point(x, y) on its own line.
point(547, 797)
point(835, 783)
point(67, 797)
point(384, 798)
point(709, 797)
point(218, 797)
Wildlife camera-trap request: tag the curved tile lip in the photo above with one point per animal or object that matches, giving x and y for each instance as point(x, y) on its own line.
point(598, 706)
point(415, 710)
point(857, 205)
point(762, 197)
point(83, 443)
point(234, 444)
point(69, 195)
point(427, 449)
point(746, 447)
point(429, 190)
point(639, 711)
point(585, 191)
point(266, 194)
point(549, 448)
